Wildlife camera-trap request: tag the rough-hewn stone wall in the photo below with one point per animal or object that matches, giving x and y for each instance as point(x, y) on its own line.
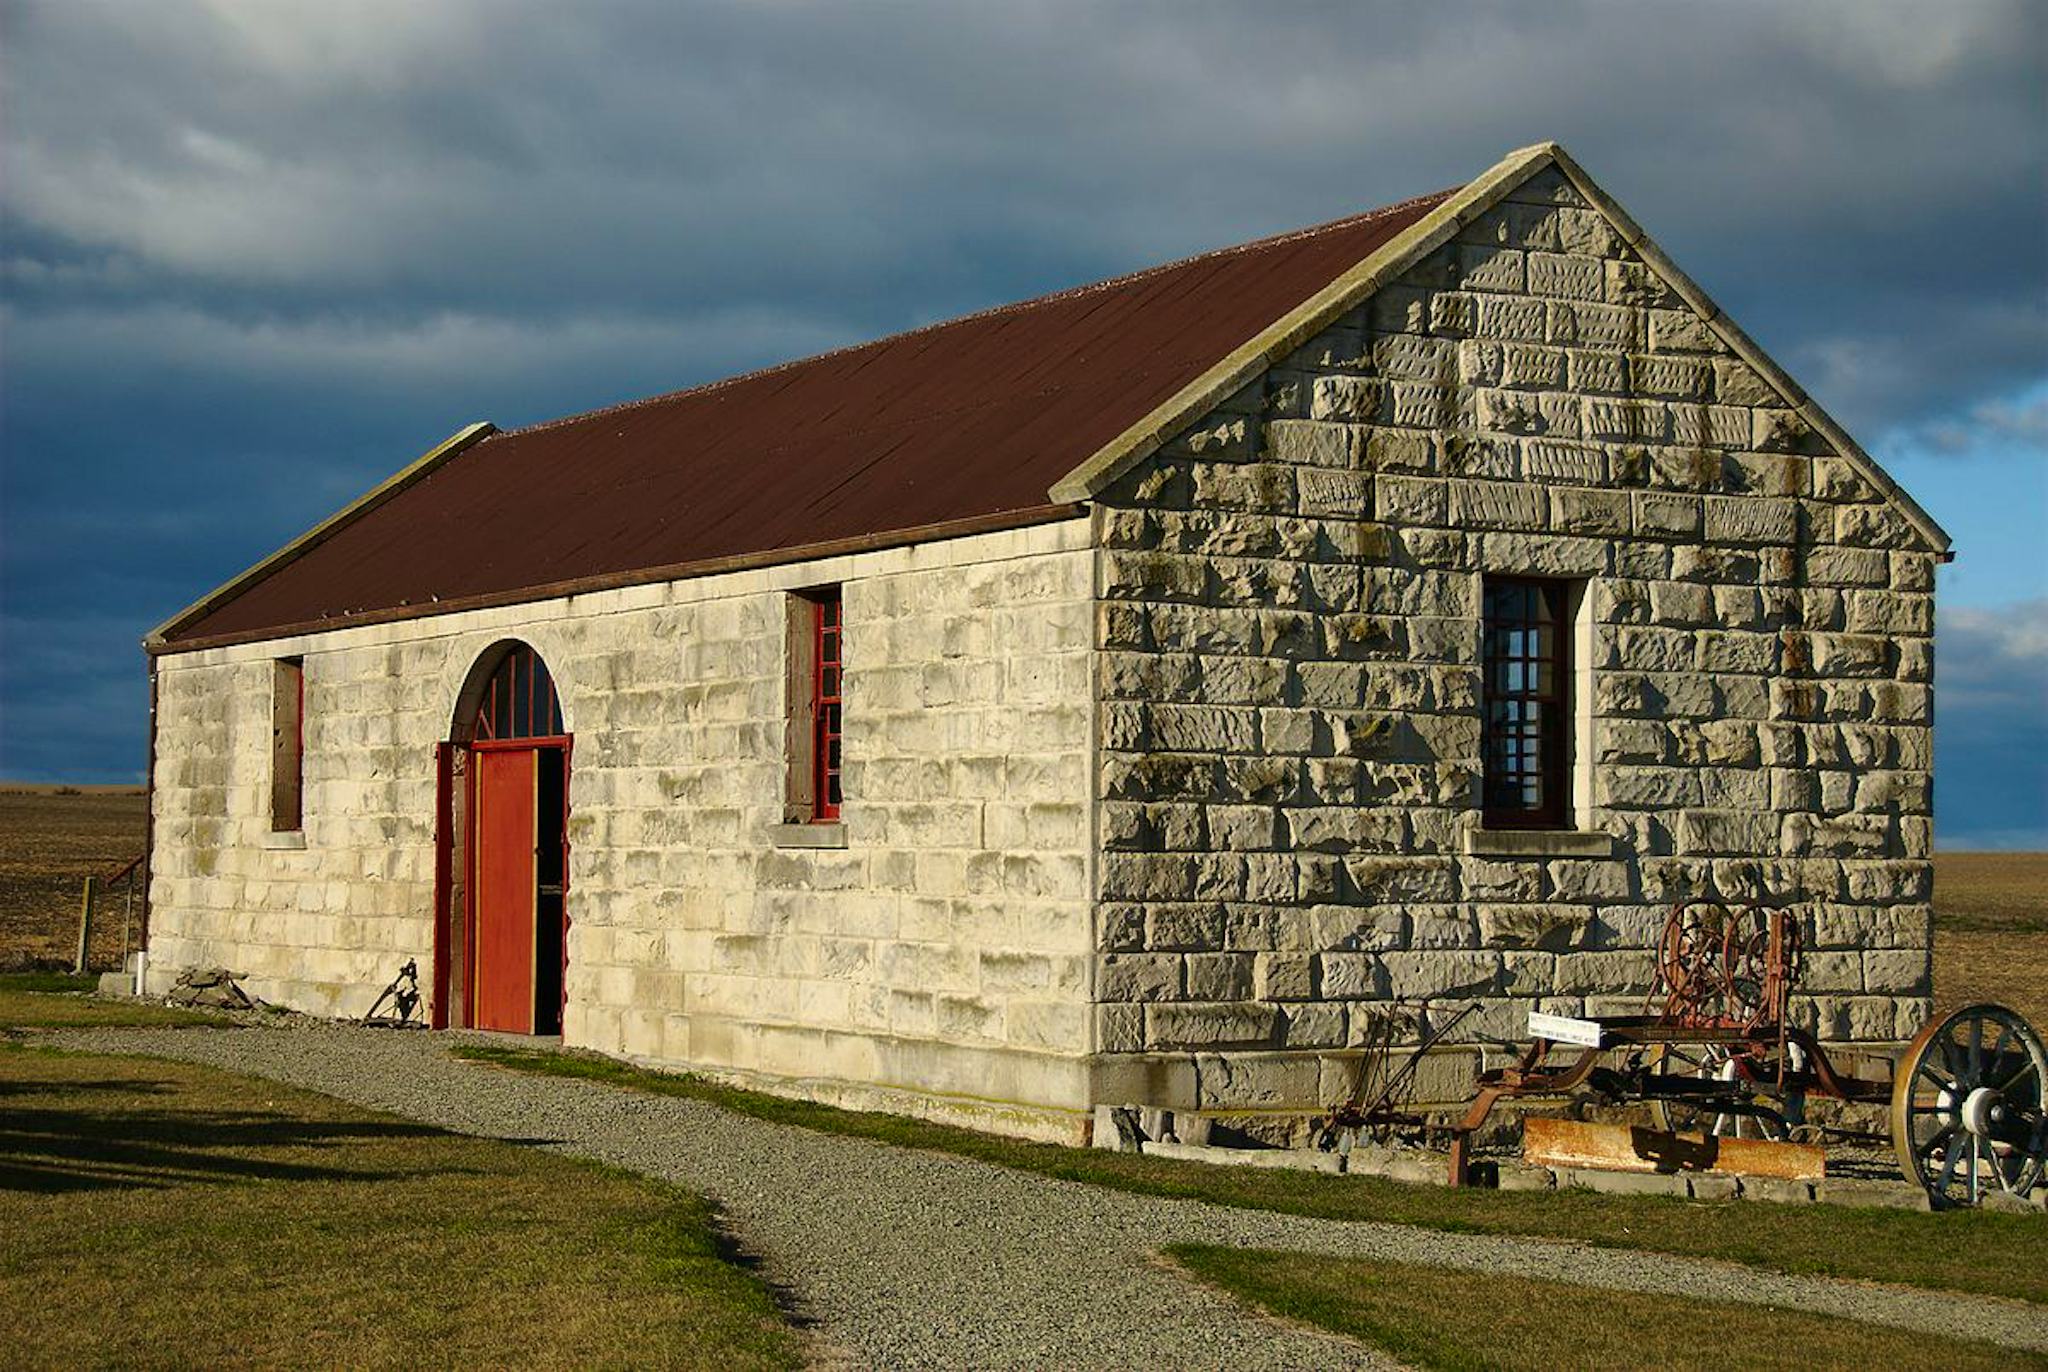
point(1290, 688)
point(946, 948)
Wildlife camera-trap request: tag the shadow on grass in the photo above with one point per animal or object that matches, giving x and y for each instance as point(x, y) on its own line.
point(730, 1249)
point(56, 1150)
point(127, 1086)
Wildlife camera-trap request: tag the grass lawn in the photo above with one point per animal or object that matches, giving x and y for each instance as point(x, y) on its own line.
point(1444, 1318)
point(159, 1213)
point(49, 981)
point(1972, 1251)
point(55, 1000)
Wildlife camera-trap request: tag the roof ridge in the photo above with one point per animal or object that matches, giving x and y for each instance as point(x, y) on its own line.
point(1067, 293)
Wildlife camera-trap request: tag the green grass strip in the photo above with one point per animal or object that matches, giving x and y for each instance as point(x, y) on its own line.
point(1973, 1251)
point(48, 981)
point(1454, 1320)
point(44, 1000)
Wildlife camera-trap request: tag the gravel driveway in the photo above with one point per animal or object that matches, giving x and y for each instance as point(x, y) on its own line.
point(910, 1259)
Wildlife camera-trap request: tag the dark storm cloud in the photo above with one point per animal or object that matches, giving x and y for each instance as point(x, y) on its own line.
point(258, 255)
point(1825, 166)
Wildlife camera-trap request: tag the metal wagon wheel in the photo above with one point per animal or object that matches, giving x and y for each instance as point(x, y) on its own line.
point(1743, 1115)
point(1691, 962)
point(1967, 1098)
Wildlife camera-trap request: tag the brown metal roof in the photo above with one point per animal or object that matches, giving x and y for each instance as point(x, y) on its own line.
point(963, 422)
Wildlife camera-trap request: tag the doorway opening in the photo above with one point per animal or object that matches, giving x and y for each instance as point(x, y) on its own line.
point(502, 869)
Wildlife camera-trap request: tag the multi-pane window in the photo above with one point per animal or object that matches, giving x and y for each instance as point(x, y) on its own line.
point(825, 705)
point(1527, 700)
point(287, 744)
point(519, 700)
point(816, 703)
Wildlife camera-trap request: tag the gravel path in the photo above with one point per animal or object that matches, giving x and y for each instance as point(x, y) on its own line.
point(911, 1259)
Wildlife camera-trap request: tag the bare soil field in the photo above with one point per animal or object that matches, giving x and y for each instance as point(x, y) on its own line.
point(1991, 922)
point(51, 839)
point(1991, 930)
point(1992, 892)
point(2011, 969)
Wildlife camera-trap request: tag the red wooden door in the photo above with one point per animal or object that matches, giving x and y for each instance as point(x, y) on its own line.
point(507, 815)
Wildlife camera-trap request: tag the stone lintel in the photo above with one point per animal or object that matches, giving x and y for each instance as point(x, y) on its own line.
point(807, 835)
point(1577, 843)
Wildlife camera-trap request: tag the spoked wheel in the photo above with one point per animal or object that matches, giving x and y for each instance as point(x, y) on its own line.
point(1967, 1114)
point(1733, 1111)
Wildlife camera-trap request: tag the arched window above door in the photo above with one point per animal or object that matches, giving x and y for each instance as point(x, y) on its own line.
point(519, 700)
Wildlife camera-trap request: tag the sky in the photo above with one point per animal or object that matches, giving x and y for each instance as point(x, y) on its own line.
point(254, 257)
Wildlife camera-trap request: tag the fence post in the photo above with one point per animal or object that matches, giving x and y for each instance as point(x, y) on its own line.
point(84, 927)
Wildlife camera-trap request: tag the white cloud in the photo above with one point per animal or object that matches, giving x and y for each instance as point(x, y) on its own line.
point(2000, 653)
point(316, 40)
point(2014, 424)
point(1901, 43)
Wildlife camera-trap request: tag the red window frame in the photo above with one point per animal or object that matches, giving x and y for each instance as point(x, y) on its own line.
point(299, 746)
point(288, 772)
point(519, 701)
point(1526, 697)
point(827, 687)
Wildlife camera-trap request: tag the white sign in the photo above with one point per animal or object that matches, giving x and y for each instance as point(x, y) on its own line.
point(1564, 1029)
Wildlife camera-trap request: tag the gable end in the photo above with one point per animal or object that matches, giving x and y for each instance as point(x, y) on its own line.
point(1215, 387)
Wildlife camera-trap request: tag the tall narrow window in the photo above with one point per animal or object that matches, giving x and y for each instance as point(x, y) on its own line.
point(816, 688)
point(1527, 700)
point(287, 744)
point(825, 704)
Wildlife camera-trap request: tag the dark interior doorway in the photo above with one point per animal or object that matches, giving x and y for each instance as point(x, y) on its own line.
point(551, 926)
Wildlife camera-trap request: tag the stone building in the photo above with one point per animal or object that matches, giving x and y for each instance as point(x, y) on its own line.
point(1131, 695)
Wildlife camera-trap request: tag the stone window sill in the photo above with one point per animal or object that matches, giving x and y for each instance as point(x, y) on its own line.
point(292, 839)
point(807, 835)
point(1577, 843)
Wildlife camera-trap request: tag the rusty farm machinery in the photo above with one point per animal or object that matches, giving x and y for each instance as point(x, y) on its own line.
point(1726, 1076)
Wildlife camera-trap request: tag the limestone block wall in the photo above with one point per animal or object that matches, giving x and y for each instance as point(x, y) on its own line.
point(945, 948)
point(1289, 622)
point(319, 920)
